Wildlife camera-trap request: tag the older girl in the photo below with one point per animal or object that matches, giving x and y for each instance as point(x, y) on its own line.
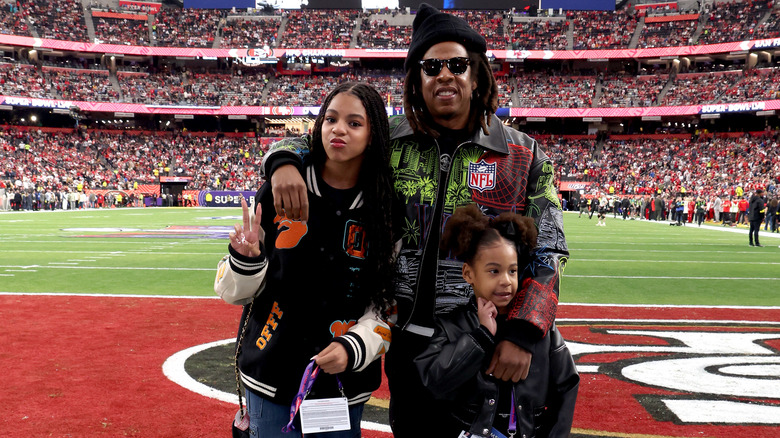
point(315, 293)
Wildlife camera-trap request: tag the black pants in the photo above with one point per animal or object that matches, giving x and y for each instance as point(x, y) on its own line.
point(754, 227)
point(414, 413)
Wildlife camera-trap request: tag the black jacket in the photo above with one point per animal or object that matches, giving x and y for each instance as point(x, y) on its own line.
point(756, 208)
point(308, 296)
point(453, 368)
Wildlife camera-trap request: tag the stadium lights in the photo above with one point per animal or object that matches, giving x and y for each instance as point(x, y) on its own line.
point(33, 118)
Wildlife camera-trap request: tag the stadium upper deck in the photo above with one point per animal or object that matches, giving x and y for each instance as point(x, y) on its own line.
point(670, 59)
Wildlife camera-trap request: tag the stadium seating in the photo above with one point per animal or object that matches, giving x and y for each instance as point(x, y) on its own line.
point(710, 164)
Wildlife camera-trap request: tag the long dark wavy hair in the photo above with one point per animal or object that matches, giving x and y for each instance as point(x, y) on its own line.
point(484, 100)
point(374, 181)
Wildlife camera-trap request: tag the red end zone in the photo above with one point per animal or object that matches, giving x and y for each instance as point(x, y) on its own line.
point(675, 371)
point(91, 366)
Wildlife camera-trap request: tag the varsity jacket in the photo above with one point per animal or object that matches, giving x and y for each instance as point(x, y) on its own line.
point(453, 368)
point(304, 294)
point(503, 171)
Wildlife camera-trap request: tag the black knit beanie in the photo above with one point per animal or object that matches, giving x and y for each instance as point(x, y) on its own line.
point(432, 26)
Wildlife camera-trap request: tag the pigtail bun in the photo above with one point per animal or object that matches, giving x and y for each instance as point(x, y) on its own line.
point(468, 228)
point(464, 231)
point(519, 229)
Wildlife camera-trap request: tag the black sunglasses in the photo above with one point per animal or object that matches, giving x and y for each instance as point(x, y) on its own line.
point(456, 66)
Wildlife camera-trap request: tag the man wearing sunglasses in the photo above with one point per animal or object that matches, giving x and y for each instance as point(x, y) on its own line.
point(448, 150)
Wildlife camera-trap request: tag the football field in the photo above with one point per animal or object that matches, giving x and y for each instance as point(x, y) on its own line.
point(173, 251)
point(110, 322)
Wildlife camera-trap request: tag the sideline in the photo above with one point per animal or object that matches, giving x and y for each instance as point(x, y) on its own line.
point(706, 225)
point(562, 303)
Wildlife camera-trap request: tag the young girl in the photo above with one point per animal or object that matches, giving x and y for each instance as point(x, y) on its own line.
point(455, 365)
point(317, 291)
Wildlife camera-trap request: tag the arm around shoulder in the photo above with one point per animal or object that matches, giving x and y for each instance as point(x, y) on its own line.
point(541, 278)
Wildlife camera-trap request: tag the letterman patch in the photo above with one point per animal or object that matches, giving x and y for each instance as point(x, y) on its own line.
point(355, 240)
point(482, 176)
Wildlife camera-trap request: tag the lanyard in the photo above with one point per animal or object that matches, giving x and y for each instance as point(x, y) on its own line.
point(512, 418)
point(309, 375)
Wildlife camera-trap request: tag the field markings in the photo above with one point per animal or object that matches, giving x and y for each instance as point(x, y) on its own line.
point(674, 306)
point(124, 268)
point(653, 277)
point(662, 321)
point(94, 295)
point(676, 261)
point(113, 253)
point(115, 240)
point(173, 368)
point(561, 304)
point(672, 251)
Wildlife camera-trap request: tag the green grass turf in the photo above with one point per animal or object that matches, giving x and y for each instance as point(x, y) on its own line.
point(627, 262)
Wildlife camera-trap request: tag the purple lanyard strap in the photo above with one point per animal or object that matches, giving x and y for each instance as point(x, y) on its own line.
point(307, 381)
point(512, 418)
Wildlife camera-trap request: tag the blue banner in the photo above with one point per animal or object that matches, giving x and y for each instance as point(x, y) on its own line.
point(579, 5)
point(219, 4)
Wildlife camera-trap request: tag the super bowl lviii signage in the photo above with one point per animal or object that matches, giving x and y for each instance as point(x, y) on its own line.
point(226, 198)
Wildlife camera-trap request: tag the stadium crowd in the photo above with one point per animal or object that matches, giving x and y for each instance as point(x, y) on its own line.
point(177, 27)
point(538, 35)
point(320, 28)
point(602, 30)
point(37, 162)
point(667, 34)
point(250, 33)
point(736, 21)
point(704, 165)
point(175, 85)
point(379, 34)
point(121, 31)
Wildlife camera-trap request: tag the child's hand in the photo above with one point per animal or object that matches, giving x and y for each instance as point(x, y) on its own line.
point(246, 239)
point(487, 313)
point(333, 359)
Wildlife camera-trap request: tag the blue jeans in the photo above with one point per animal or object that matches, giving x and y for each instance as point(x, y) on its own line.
point(266, 420)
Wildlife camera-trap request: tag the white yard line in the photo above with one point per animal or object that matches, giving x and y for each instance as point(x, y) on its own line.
point(125, 268)
point(670, 278)
point(732, 262)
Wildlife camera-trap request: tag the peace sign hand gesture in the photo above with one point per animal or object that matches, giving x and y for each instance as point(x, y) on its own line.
point(246, 239)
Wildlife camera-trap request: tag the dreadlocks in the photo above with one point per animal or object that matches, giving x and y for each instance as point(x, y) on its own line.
point(484, 100)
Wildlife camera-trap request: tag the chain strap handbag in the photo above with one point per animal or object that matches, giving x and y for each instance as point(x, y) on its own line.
point(240, 424)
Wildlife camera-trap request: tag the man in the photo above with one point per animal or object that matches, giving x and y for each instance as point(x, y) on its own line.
point(625, 205)
point(742, 206)
point(448, 150)
point(756, 211)
point(717, 208)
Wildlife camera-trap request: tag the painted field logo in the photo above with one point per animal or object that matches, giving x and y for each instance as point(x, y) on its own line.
point(482, 176)
point(703, 378)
